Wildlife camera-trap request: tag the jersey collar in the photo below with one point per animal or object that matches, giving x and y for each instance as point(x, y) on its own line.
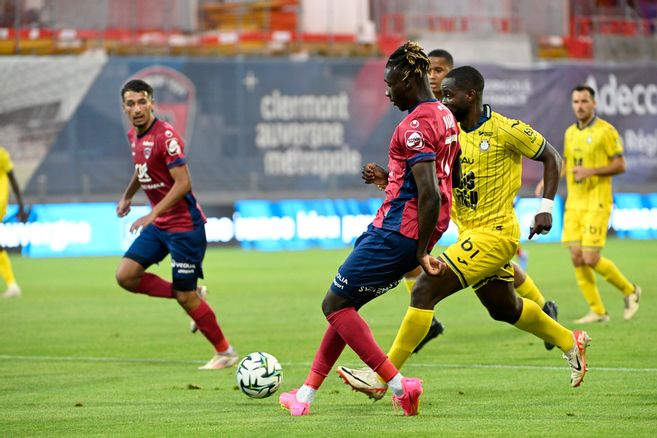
point(485, 116)
point(410, 110)
point(149, 129)
point(595, 117)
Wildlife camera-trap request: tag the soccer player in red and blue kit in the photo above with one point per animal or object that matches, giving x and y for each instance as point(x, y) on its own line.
point(175, 224)
point(407, 226)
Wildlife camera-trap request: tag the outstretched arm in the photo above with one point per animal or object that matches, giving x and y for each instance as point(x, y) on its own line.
point(551, 160)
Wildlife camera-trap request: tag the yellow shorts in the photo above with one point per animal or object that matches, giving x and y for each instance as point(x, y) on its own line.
point(585, 228)
point(480, 256)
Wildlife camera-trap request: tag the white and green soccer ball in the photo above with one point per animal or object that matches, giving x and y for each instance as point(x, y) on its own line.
point(259, 375)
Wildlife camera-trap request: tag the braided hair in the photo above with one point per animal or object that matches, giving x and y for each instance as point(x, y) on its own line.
point(410, 60)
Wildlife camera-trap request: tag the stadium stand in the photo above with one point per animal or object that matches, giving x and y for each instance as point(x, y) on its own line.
point(578, 29)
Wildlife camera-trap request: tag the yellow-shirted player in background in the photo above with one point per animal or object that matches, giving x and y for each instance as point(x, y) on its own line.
point(492, 147)
point(7, 178)
point(593, 153)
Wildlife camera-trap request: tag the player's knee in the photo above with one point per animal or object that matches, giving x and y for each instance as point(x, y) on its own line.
point(129, 274)
point(503, 314)
point(422, 296)
point(590, 259)
point(333, 302)
point(577, 260)
point(505, 310)
point(187, 300)
point(577, 256)
point(126, 280)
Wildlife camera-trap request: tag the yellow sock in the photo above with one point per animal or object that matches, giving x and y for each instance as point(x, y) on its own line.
point(613, 275)
point(586, 282)
point(413, 329)
point(535, 321)
point(409, 282)
point(527, 289)
point(6, 272)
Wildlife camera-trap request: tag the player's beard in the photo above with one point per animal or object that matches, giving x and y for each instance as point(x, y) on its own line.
point(460, 114)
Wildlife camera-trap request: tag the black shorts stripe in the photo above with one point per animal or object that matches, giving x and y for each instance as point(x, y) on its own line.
point(456, 270)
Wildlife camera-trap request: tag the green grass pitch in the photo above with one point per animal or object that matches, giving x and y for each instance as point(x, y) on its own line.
point(81, 357)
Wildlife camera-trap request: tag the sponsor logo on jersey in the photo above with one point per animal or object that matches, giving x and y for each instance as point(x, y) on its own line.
point(147, 152)
point(484, 145)
point(414, 140)
point(173, 147)
point(142, 173)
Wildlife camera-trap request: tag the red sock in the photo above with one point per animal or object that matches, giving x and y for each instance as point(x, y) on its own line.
point(328, 353)
point(154, 286)
point(206, 321)
point(357, 334)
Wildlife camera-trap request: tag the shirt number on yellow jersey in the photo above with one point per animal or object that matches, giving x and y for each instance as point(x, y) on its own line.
point(466, 193)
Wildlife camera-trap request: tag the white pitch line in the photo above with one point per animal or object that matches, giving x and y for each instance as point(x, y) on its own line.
point(300, 364)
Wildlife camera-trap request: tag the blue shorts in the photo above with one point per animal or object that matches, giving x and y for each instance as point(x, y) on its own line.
point(378, 262)
point(187, 250)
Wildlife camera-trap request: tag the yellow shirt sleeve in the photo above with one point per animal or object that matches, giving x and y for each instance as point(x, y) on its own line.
point(523, 139)
point(613, 143)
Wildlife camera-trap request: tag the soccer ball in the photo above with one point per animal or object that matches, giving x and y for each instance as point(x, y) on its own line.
point(259, 375)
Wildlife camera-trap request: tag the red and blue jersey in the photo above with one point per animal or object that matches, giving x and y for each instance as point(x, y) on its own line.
point(428, 133)
point(155, 152)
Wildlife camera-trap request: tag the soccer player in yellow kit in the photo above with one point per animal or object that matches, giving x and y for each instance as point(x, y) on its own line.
point(442, 62)
point(593, 153)
point(7, 178)
point(492, 147)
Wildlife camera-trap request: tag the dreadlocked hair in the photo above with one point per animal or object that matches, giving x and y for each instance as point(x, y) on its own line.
point(409, 59)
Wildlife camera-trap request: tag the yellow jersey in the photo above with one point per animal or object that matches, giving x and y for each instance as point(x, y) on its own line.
point(6, 166)
point(594, 145)
point(491, 164)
